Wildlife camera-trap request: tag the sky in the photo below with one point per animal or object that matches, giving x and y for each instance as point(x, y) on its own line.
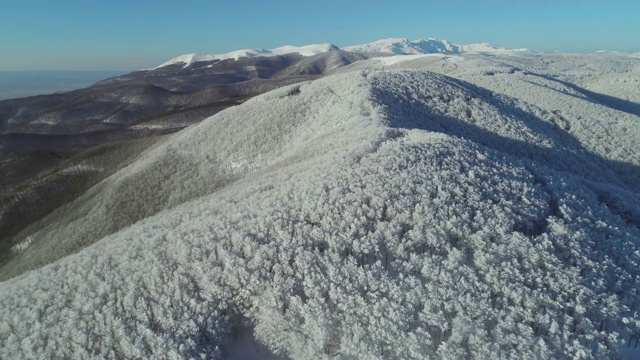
point(133, 34)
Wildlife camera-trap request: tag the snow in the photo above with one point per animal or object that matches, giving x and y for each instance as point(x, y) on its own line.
point(368, 214)
point(20, 247)
point(307, 50)
point(392, 60)
point(486, 48)
point(187, 59)
point(399, 46)
point(428, 46)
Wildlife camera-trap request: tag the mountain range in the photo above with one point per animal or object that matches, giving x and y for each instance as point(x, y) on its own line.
point(397, 46)
point(399, 199)
point(308, 50)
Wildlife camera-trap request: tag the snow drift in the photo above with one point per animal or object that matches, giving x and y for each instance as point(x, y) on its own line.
point(394, 214)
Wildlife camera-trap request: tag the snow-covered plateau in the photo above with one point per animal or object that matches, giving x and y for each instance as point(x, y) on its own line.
point(447, 206)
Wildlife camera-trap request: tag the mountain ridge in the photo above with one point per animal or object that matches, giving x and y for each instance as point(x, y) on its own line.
point(442, 206)
point(381, 214)
point(306, 50)
point(398, 46)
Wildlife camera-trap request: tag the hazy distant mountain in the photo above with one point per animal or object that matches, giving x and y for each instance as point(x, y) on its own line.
point(14, 84)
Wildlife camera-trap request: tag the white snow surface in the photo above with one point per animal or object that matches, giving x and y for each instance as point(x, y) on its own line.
point(307, 50)
point(403, 46)
point(392, 60)
point(369, 214)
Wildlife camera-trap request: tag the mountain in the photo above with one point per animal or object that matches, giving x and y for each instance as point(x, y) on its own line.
point(340, 205)
point(391, 214)
point(70, 141)
point(386, 46)
point(406, 47)
point(426, 46)
point(307, 50)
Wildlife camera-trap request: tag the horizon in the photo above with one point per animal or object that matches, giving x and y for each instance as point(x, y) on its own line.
point(123, 36)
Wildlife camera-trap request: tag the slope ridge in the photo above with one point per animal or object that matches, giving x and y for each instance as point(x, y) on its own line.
point(360, 218)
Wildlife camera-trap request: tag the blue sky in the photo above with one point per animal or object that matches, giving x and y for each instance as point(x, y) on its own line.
point(133, 34)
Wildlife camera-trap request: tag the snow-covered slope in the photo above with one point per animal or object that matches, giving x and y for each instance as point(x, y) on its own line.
point(486, 48)
point(426, 46)
point(594, 97)
point(307, 50)
point(187, 59)
point(371, 214)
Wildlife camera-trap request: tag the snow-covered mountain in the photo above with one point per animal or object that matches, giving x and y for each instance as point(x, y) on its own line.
point(307, 50)
point(486, 48)
point(437, 205)
point(367, 214)
point(406, 47)
point(402, 46)
point(397, 46)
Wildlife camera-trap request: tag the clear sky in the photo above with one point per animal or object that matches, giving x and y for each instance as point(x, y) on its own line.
point(133, 34)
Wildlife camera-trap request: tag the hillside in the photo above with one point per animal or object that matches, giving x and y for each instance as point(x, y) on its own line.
point(54, 148)
point(369, 214)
